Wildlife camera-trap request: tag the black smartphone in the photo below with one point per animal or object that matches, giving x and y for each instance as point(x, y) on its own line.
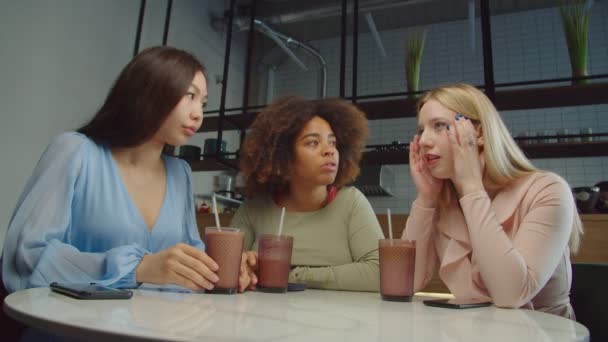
point(454, 304)
point(294, 287)
point(90, 291)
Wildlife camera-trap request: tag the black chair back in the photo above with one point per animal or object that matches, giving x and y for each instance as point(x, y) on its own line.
point(11, 329)
point(589, 298)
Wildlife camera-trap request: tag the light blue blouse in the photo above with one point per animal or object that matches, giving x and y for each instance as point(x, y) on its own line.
point(76, 223)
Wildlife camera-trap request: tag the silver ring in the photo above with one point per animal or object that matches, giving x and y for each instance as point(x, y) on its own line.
point(471, 140)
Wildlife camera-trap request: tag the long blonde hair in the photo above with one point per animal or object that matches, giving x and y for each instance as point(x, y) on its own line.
point(504, 160)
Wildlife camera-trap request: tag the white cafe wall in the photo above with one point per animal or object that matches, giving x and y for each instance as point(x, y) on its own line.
point(59, 58)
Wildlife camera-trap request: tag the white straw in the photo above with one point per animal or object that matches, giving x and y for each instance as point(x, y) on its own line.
point(390, 225)
point(281, 221)
point(217, 216)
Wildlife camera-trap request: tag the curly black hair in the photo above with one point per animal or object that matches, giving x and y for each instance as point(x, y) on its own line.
point(267, 151)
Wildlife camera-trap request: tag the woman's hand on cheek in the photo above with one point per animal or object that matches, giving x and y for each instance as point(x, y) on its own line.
point(427, 186)
point(467, 164)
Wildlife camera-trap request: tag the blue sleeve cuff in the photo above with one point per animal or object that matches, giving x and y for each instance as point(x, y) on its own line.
point(127, 271)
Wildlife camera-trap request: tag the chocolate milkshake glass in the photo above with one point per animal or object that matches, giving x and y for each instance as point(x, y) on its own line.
point(225, 247)
point(397, 260)
point(274, 262)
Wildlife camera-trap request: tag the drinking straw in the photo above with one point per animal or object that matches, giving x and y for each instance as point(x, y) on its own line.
point(217, 216)
point(281, 221)
point(390, 225)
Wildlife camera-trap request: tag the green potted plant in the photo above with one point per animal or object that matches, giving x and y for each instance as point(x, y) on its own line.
point(575, 19)
point(413, 58)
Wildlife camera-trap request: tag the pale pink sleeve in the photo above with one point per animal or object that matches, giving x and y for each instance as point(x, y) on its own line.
point(514, 271)
point(420, 228)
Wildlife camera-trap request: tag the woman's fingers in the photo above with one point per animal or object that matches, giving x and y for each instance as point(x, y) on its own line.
point(181, 264)
point(199, 261)
point(210, 263)
point(243, 273)
point(452, 132)
point(195, 261)
point(186, 277)
point(197, 266)
point(247, 277)
point(253, 279)
point(244, 280)
point(194, 276)
point(252, 262)
point(415, 159)
point(199, 255)
point(465, 132)
point(252, 258)
point(462, 132)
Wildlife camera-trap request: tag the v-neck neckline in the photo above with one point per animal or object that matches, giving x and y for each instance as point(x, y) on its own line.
point(132, 204)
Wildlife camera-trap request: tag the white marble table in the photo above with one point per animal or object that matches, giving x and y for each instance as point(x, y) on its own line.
point(312, 315)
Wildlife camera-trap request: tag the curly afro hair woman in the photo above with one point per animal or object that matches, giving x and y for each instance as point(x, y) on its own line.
point(268, 150)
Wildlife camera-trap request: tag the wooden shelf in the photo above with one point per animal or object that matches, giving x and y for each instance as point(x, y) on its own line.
point(530, 98)
point(549, 97)
point(566, 150)
point(389, 109)
point(213, 164)
point(377, 109)
point(231, 123)
point(532, 151)
point(385, 158)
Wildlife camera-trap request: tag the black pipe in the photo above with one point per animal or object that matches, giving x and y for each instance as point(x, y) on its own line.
point(343, 49)
point(140, 24)
point(355, 49)
point(248, 57)
point(486, 38)
point(222, 113)
point(167, 21)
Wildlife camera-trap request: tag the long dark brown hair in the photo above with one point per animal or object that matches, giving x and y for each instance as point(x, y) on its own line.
point(267, 152)
point(142, 97)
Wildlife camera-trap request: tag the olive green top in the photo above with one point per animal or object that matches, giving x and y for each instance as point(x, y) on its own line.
point(335, 247)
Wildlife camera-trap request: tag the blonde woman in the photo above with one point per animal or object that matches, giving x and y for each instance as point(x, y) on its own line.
point(499, 229)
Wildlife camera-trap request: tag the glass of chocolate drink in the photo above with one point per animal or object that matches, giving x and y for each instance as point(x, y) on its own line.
point(397, 260)
point(274, 262)
point(225, 247)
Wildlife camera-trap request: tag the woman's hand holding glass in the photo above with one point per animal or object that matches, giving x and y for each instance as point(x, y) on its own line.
point(182, 265)
point(247, 277)
point(427, 186)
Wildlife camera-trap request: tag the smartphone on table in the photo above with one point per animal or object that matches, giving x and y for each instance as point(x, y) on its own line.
point(294, 287)
point(455, 304)
point(90, 291)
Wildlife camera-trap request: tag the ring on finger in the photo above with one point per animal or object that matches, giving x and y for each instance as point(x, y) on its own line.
point(471, 140)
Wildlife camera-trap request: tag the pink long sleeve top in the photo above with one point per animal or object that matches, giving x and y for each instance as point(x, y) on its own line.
point(512, 250)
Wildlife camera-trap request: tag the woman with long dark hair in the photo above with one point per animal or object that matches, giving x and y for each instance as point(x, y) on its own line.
point(104, 204)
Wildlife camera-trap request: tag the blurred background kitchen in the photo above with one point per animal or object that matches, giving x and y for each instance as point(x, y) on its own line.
point(59, 58)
